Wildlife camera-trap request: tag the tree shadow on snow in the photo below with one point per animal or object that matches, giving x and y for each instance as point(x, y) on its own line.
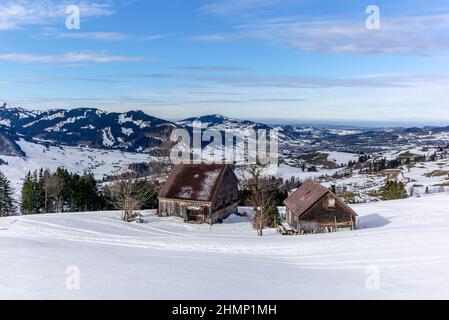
point(372, 221)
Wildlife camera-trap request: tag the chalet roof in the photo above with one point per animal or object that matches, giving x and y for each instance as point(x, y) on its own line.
point(306, 195)
point(197, 182)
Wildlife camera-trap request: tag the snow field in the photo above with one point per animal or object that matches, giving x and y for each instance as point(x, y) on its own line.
point(401, 250)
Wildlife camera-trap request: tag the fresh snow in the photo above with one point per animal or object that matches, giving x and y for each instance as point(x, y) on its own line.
point(342, 157)
point(207, 184)
point(185, 193)
point(59, 126)
point(286, 172)
point(123, 118)
point(127, 131)
point(75, 159)
point(108, 138)
point(400, 251)
point(344, 132)
point(5, 122)
point(54, 116)
point(91, 127)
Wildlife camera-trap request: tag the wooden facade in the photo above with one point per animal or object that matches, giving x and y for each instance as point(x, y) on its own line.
point(315, 209)
point(200, 193)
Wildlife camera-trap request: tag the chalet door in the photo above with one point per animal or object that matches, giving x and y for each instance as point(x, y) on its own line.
point(196, 216)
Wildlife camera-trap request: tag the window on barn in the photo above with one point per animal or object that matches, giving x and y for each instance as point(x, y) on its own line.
point(331, 203)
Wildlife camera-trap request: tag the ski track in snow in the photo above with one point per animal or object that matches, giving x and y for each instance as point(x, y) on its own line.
point(407, 241)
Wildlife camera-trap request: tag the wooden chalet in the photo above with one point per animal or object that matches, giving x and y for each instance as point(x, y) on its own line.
point(200, 193)
point(315, 209)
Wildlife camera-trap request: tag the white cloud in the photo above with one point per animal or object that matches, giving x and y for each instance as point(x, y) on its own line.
point(16, 14)
point(100, 36)
point(233, 7)
point(398, 35)
point(68, 58)
point(103, 36)
point(152, 37)
point(214, 68)
point(293, 81)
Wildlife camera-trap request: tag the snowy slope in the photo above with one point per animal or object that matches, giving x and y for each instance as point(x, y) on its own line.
point(131, 131)
point(75, 159)
point(405, 243)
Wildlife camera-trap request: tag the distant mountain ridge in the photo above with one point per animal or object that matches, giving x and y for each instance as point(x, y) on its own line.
point(136, 131)
point(132, 131)
point(218, 121)
point(8, 145)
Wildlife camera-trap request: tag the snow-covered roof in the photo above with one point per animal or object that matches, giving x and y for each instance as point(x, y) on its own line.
point(197, 182)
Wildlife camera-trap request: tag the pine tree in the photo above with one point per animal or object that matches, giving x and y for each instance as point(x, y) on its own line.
point(393, 190)
point(272, 212)
point(89, 191)
point(32, 194)
point(6, 200)
point(47, 192)
point(28, 195)
point(40, 192)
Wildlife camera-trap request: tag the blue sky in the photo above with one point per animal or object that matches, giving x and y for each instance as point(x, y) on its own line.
point(257, 59)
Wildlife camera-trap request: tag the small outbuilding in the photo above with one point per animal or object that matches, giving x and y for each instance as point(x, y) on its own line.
point(312, 208)
point(200, 193)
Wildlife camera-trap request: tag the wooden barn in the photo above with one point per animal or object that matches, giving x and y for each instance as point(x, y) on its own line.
point(200, 193)
point(315, 209)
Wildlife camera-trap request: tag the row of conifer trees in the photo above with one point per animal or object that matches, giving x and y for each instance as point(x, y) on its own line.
point(44, 191)
point(7, 207)
point(60, 191)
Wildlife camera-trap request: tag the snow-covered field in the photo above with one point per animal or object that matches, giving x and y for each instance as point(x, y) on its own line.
point(75, 159)
point(102, 163)
point(431, 177)
point(401, 250)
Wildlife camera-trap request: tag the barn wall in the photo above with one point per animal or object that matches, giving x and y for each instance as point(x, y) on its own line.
point(225, 202)
point(170, 208)
point(290, 217)
point(228, 192)
point(174, 207)
point(224, 213)
point(321, 215)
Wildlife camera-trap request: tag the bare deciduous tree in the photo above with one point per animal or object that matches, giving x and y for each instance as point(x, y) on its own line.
point(161, 166)
point(58, 189)
point(53, 186)
point(261, 192)
point(130, 191)
point(129, 195)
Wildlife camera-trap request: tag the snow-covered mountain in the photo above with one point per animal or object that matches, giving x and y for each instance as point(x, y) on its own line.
point(220, 122)
point(132, 131)
point(106, 143)
point(136, 131)
point(8, 145)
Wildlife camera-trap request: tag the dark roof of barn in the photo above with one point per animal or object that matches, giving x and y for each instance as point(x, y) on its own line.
point(196, 182)
point(307, 195)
